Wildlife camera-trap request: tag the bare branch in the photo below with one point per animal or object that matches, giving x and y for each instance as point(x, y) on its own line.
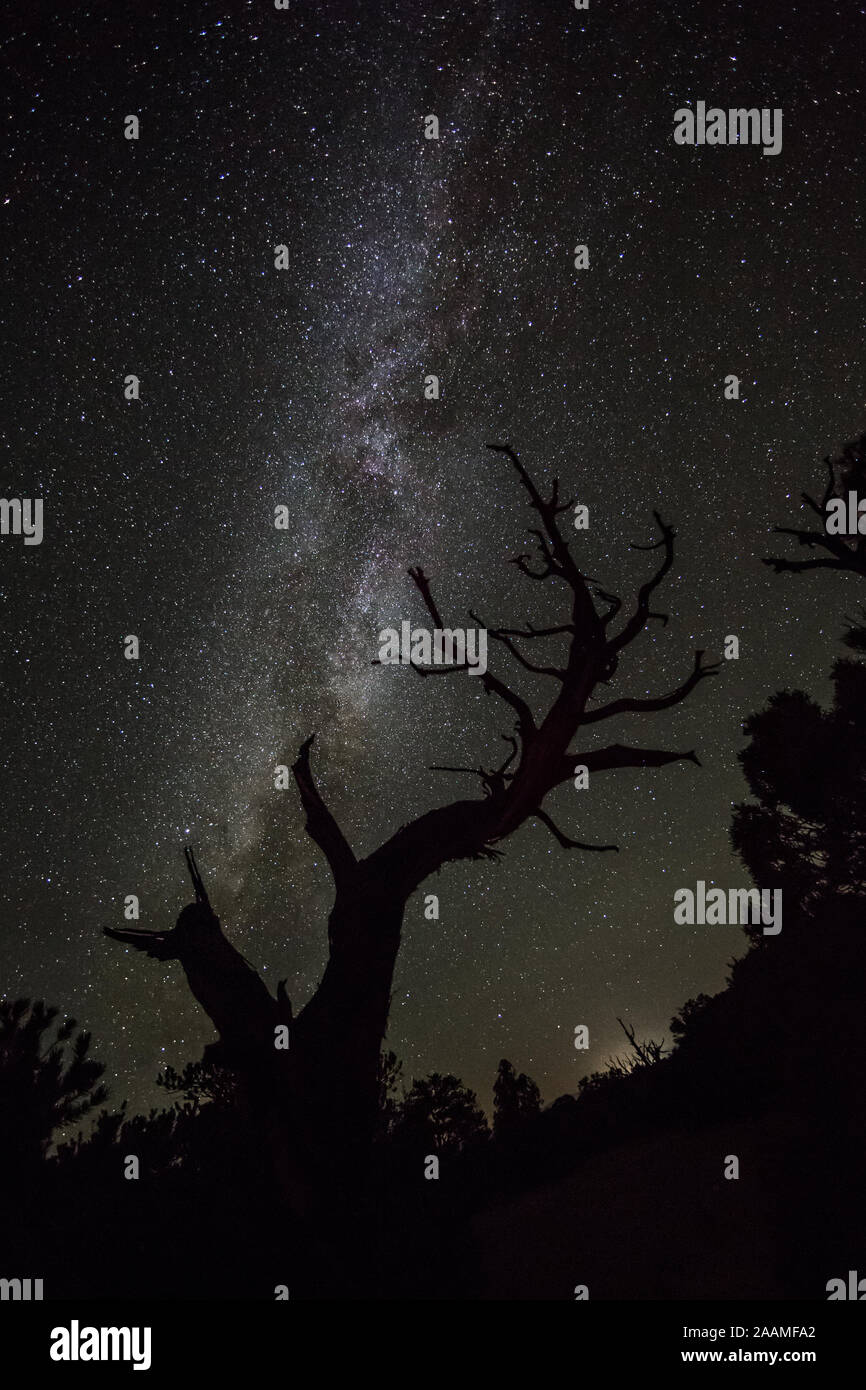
point(321, 825)
point(638, 621)
point(521, 562)
point(422, 583)
point(615, 605)
point(535, 496)
point(490, 683)
point(153, 943)
point(647, 1053)
point(499, 636)
point(489, 780)
point(845, 557)
point(511, 756)
point(530, 633)
point(835, 545)
point(831, 483)
point(494, 781)
point(439, 670)
point(809, 538)
point(620, 755)
point(545, 552)
point(820, 509)
point(565, 841)
point(557, 553)
point(780, 566)
point(543, 758)
point(630, 706)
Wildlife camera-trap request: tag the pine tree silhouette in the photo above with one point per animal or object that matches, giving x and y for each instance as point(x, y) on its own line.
point(46, 1083)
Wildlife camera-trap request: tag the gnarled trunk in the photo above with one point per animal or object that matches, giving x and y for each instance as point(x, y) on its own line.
point(336, 1040)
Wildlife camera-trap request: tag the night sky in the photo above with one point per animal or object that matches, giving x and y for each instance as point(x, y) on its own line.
point(304, 388)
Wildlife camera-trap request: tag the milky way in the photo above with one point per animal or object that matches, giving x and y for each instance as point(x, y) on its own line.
point(304, 388)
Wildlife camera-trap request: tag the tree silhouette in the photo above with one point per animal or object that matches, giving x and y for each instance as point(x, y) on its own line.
point(806, 767)
point(441, 1114)
point(329, 1078)
point(45, 1083)
point(643, 1054)
point(201, 1082)
point(516, 1100)
point(845, 473)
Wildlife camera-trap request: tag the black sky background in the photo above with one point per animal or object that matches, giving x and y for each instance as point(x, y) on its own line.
point(304, 388)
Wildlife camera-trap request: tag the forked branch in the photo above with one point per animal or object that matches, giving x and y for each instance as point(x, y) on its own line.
point(566, 841)
point(639, 619)
point(700, 671)
point(490, 683)
point(321, 825)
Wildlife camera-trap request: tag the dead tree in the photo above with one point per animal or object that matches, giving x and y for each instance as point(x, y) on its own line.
point(848, 472)
point(331, 1073)
point(645, 1054)
point(234, 997)
point(845, 474)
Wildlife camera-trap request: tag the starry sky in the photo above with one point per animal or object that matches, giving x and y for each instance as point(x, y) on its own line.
point(304, 388)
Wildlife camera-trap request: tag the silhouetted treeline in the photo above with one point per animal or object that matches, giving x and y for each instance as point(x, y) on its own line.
point(780, 1051)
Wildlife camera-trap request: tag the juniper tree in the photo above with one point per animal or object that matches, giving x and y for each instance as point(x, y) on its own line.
point(328, 1079)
